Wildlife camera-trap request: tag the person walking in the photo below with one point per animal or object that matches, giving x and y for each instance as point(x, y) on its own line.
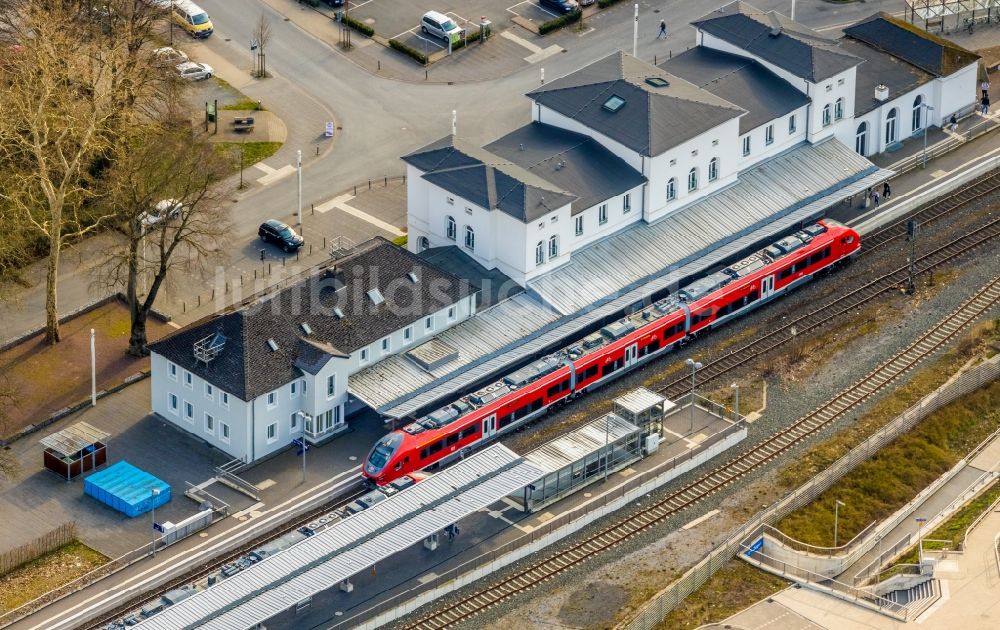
point(663, 30)
point(875, 198)
point(985, 87)
point(984, 105)
point(886, 191)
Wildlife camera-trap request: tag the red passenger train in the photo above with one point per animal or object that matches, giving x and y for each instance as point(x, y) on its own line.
point(478, 418)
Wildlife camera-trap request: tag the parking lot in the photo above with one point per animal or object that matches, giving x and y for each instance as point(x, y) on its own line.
point(531, 10)
point(400, 19)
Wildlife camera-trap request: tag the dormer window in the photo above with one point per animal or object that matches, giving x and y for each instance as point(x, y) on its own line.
point(614, 103)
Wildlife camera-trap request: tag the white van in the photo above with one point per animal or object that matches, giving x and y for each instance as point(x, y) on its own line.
point(440, 25)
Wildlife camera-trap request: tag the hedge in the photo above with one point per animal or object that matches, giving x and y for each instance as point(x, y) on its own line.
point(604, 4)
point(470, 36)
point(559, 22)
point(358, 25)
point(408, 50)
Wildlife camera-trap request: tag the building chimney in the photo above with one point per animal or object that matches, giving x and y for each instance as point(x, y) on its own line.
point(881, 93)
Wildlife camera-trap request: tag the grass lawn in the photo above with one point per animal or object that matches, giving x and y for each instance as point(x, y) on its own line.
point(50, 571)
point(253, 152)
point(733, 588)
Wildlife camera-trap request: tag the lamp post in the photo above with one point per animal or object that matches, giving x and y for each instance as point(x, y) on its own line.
point(305, 418)
point(607, 455)
point(695, 366)
point(171, 20)
point(927, 114)
point(736, 405)
point(836, 519)
point(155, 493)
point(920, 547)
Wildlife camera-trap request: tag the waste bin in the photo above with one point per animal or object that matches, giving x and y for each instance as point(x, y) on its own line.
point(210, 112)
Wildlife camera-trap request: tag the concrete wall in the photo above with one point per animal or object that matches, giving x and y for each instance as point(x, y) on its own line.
point(760, 150)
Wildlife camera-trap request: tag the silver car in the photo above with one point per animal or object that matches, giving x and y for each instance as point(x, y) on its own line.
point(193, 71)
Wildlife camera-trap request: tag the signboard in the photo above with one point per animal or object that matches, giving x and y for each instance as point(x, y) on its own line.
point(300, 444)
point(754, 548)
point(329, 130)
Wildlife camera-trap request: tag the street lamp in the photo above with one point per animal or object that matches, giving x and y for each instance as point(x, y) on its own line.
point(927, 114)
point(170, 19)
point(736, 405)
point(920, 547)
point(695, 366)
point(155, 493)
point(305, 418)
point(836, 519)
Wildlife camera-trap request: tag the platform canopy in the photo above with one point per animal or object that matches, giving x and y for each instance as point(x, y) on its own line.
point(352, 545)
point(71, 440)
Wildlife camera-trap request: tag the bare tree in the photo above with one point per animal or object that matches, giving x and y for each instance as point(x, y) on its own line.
point(68, 91)
point(261, 35)
point(162, 170)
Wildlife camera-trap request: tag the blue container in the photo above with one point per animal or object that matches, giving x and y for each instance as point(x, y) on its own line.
point(127, 489)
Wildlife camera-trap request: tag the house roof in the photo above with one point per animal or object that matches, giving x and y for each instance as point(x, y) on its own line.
point(248, 366)
point(571, 161)
point(659, 112)
point(778, 39)
point(881, 68)
point(487, 180)
point(764, 95)
point(912, 44)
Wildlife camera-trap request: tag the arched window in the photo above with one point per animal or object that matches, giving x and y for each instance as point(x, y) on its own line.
point(918, 113)
point(826, 115)
point(838, 109)
point(423, 244)
point(713, 169)
point(671, 189)
point(692, 179)
point(553, 247)
point(539, 253)
point(470, 238)
point(861, 139)
point(451, 228)
point(890, 126)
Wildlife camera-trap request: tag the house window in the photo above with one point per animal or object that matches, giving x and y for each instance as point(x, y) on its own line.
point(602, 214)
point(451, 313)
point(579, 225)
point(188, 411)
point(627, 203)
point(539, 253)
point(838, 108)
point(209, 424)
point(826, 115)
point(272, 400)
point(423, 244)
point(386, 345)
point(224, 399)
point(840, 81)
point(918, 122)
point(331, 386)
point(364, 355)
point(451, 228)
point(293, 421)
point(791, 124)
point(671, 189)
point(553, 247)
point(189, 380)
point(209, 391)
point(468, 211)
point(746, 146)
point(408, 334)
point(470, 238)
point(890, 127)
point(224, 431)
point(172, 371)
point(713, 169)
point(429, 324)
point(172, 403)
point(769, 134)
point(692, 179)
point(293, 389)
point(272, 432)
point(450, 201)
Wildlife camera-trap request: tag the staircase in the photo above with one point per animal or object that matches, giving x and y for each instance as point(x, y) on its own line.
point(916, 599)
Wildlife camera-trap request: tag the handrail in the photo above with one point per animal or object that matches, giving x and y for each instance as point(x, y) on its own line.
point(979, 519)
point(792, 542)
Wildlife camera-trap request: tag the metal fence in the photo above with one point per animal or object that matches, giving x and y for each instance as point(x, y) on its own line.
point(660, 605)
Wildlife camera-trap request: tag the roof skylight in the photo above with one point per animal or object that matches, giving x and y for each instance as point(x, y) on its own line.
point(376, 297)
point(657, 82)
point(614, 103)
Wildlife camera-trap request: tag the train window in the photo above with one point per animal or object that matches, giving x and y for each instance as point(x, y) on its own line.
point(424, 453)
point(537, 404)
point(673, 330)
point(565, 385)
point(558, 387)
point(700, 317)
point(611, 367)
point(505, 420)
point(436, 447)
point(802, 264)
point(753, 297)
point(399, 465)
point(469, 431)
point(590, 373)
point(452, 439)
point(653, 346)
point(784, 273)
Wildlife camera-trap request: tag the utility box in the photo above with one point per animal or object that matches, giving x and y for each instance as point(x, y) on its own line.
point(485, 28)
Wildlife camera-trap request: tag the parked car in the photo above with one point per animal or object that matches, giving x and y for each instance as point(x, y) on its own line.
point(274, 231)
point(586, 3)
point(440, 25)
point(164, 210)
point(560, 6)
point(193, 71)
point(333, 3)
point(169, 56)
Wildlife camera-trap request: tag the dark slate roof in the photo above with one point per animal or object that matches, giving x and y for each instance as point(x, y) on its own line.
point(571, 161)
point(493, 285)
point(247, 367)
point(487, 180)
point(778, 39)
point(740, 80)
point(653, 119)
point(881, 68)
point(912, 44)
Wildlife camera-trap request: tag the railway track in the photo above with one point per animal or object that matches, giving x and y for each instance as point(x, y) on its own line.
point(738, 467)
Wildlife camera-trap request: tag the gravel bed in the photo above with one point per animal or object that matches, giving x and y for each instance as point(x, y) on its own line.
point(597, 593)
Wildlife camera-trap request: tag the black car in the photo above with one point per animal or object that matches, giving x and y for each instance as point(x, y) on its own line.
point(334, 3)
point(274, 231)
point(562, 6)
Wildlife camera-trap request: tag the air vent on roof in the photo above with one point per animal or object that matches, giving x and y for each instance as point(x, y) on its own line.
point(306, 328)
point(339, 313)
point(413, 277)
point(614, 103)
point(376, 297)
point(272, 344)
point(657, 82)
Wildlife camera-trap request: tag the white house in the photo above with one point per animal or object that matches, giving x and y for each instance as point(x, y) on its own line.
point(622, 141)
point(251, 379)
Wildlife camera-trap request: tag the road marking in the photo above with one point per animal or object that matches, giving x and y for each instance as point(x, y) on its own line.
point(253, 508)
point(701, 519)
point(267, 170)
point(945, 596)
point(121, 590)
point(548, 52)
point(275, 174)
point(340, 203)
